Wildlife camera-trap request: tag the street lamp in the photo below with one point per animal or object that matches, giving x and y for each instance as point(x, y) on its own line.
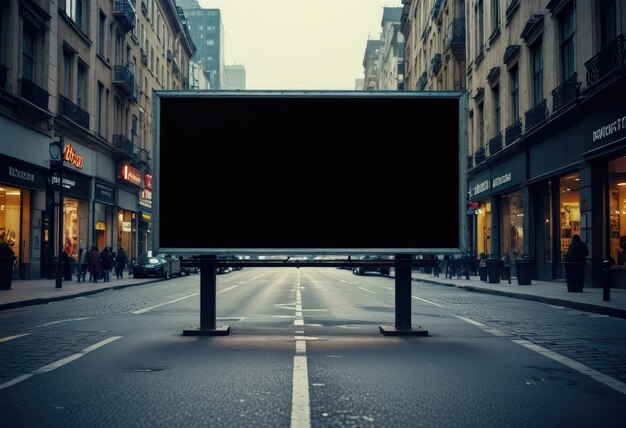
point(56, 166)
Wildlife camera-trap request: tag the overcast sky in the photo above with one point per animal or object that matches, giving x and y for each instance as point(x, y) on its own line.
point(299, 44)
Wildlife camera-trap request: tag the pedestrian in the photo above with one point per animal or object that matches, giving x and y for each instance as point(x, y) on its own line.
point(106, 261)
point(577, 250)
point(83, 259)
point(94, 264)
point(120, 263)
point(67, 267)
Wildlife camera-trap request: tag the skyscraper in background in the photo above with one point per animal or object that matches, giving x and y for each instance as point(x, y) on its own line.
point(235, 77)
point(207, 33)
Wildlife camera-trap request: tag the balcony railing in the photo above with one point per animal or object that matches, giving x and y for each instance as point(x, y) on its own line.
point(3, 76)
point(73, 111)
point(513, 132)
point(33, 93)
point(435, 64)
point(565, 93)
point(495, 144)
point(455, 35)
point(479, 155)
point(536, 115)
point(124, 146)
point(124, 79)
point(607, 60)
point(421, 82)
point(125, 14)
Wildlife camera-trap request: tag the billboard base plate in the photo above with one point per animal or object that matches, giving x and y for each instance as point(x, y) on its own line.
point(220, 330)
point(392, 330)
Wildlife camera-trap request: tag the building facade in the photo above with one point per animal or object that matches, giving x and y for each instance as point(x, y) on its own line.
point(235, 76)
point(546, 136)
point(81, 73)
point(391, 51)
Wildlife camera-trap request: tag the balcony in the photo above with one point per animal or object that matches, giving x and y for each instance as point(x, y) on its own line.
point(455, 37)
point(175, 69)
point(435, 64)
point(434, 12)
point(479, 155)
point(124, 149)
point(421, 82)
point(73, 112)
point(565, 93)
point(124, 79)
point(33, 93)
point(495, 144)
point(124, 12)
point(513, 132)
point(536, 115)
point(606, 61)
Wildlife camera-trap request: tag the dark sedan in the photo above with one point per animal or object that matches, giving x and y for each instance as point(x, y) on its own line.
point(156, 265)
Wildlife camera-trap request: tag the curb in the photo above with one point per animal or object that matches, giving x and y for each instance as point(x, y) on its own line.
point(586, 307)
point(44, 300)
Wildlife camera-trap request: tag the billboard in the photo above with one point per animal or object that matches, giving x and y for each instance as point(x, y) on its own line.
point(309, 172)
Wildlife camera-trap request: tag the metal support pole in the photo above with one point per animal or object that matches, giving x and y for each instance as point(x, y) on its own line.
point(606, 280)
point(403, 300)
point(208, 300)
point(60, 211)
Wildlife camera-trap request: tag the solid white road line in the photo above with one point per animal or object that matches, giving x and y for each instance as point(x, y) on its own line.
point(300, 411)
point(227, 289)
point(55, 365)
point(369, 291)
point(6, 339)
point(428, 301)
point(143, 311)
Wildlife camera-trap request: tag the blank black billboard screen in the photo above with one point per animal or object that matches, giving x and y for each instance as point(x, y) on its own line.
point(328, 172)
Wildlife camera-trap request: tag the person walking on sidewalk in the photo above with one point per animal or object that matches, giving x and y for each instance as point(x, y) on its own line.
point(83, 264)
point(106, 260)
point(120, 263)
point(94, 264)
point(577, 250)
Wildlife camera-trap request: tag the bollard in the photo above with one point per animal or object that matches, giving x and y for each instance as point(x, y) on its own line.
point(606, 280)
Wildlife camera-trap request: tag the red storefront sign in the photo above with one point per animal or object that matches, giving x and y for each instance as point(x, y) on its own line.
point(147, 182)
point(130, 174)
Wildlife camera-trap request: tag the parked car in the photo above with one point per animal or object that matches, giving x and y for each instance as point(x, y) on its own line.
point(361, 270)
point(157, 265)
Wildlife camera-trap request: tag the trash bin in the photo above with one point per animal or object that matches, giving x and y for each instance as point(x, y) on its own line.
point(523, 271)
point(482, 271)
point(494, 270)
point(574, 276)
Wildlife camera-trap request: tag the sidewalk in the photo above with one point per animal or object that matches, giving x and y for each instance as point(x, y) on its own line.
point(39, 291)
point(33, 292)
point(551, 292)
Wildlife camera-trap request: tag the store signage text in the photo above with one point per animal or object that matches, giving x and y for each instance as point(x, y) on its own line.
point(479, 188)
point(498, 181)
point(22, 175)
point(126, 226)
point(68, 183)
point(611, 128)
point(130, 174)
point(69, 155)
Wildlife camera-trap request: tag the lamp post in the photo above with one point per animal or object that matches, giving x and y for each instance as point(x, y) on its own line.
point(56, 166)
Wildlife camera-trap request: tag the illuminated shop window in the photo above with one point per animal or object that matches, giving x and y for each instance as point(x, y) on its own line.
point(569, 208)
point(617, 211)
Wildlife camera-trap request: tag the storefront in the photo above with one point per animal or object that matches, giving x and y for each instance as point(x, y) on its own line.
point(479, 222)
point(144, 235)
point(104, 209)
point(131, 180)
point(21, 185)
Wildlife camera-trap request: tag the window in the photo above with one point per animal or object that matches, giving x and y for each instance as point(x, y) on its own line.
point(514, 78)
point(481, 125)
point(480, 26)
point(100, 108)
point(537, 68)
point(67, 74)
point(569, 211)
point(495, 15)
point(81, 80)
point(567, 27)
point(210, 42)
point(102, 34)
point(512, 206)
point(76, 10)
point(617, 211)
point(608, 26)
point(496, 108)
point(29, 49)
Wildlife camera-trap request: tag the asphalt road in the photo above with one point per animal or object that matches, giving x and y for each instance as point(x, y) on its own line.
point(305, 350)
